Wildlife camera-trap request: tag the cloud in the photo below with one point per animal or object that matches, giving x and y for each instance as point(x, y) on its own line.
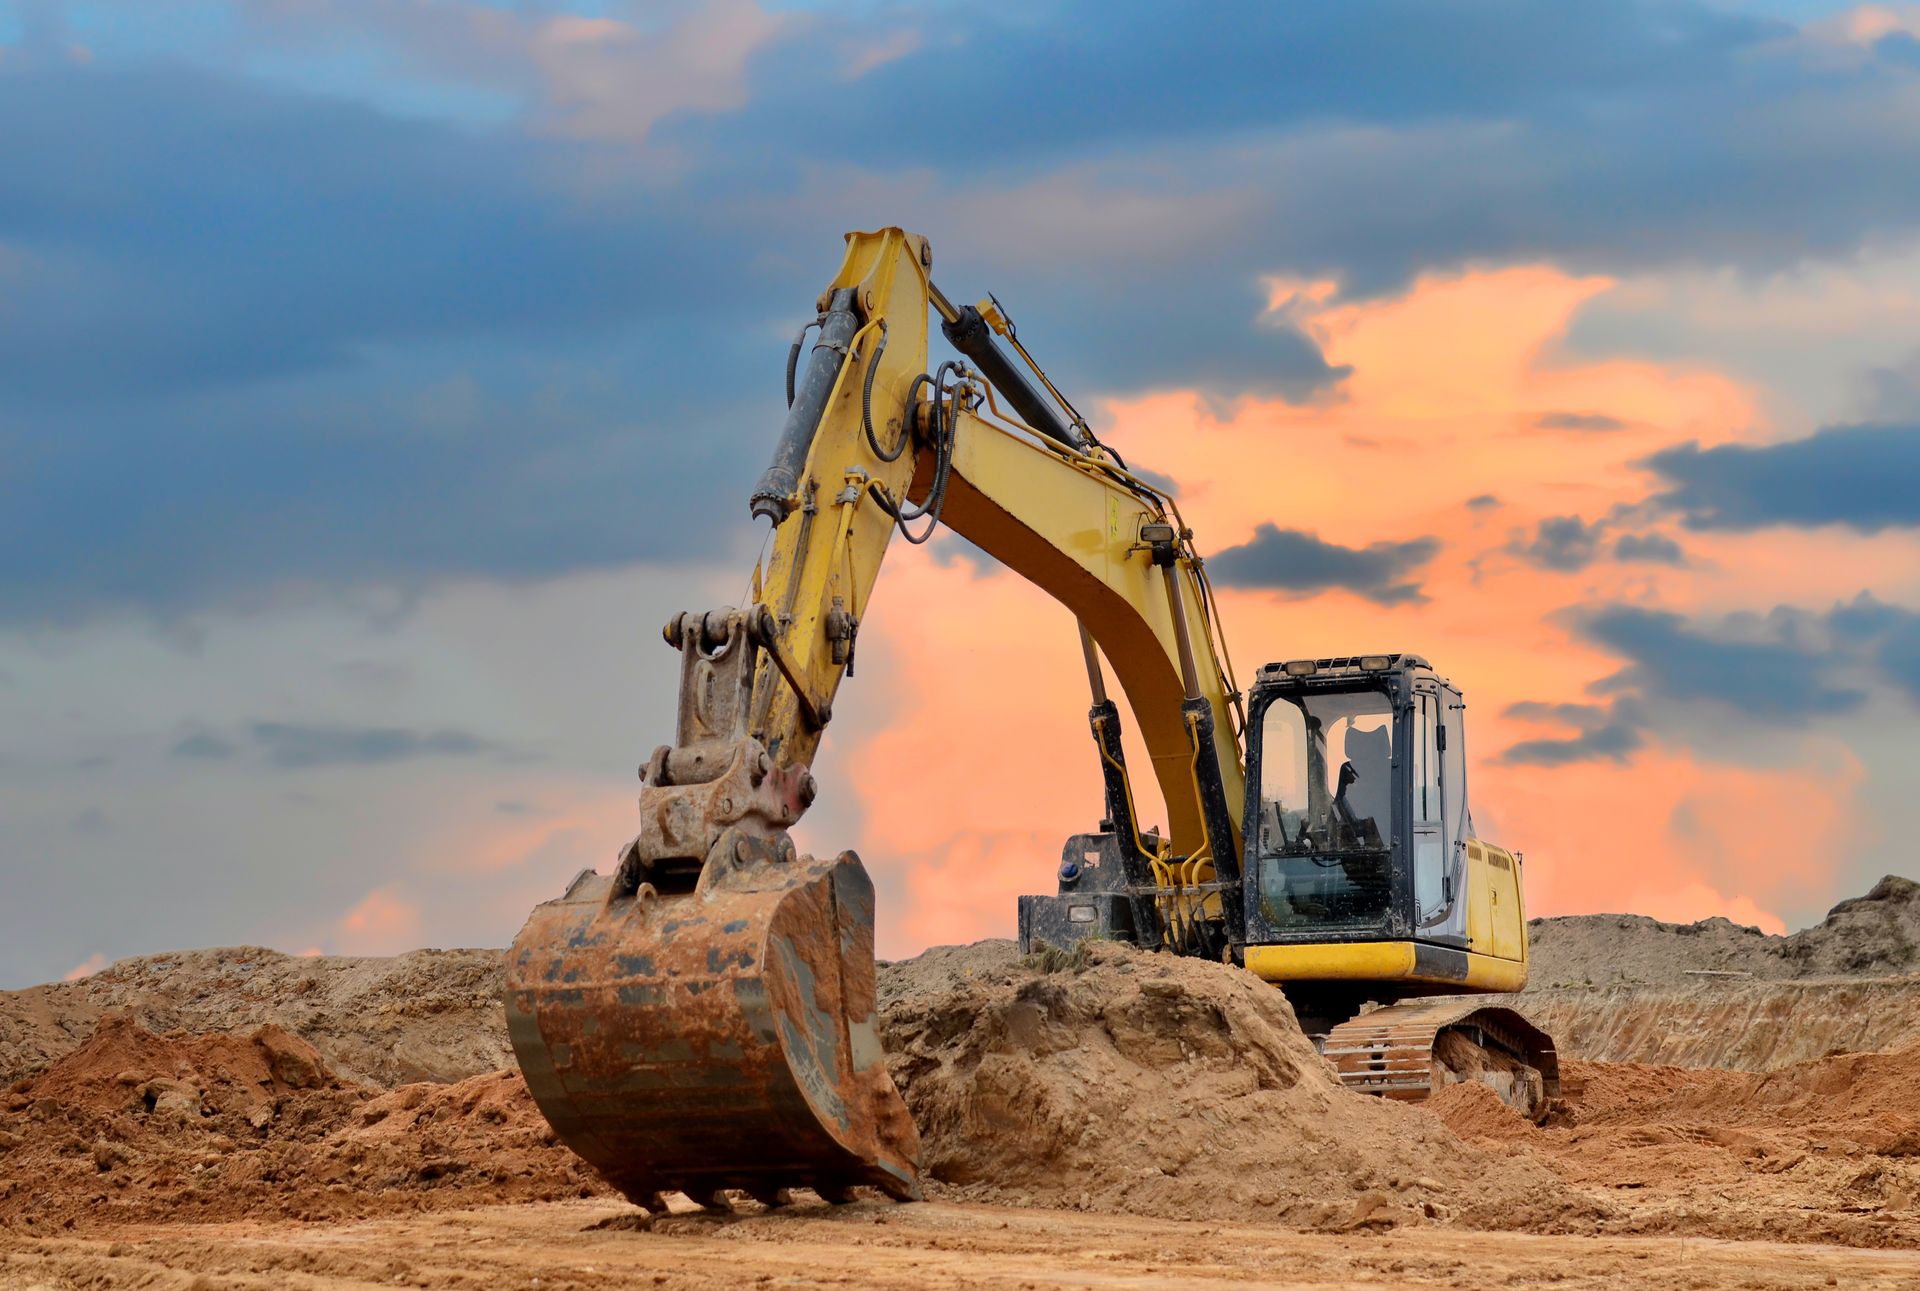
point(254, 340)
point(1890, 633)
point(1165, 483)
point(1482, 502)
point(299, 746)
point(517, 807)
point(1900, 656)
point(1864, 477)
point(281, 303)
point(1785, 669)
point(85, 968)
point(1588, 421)
point(1606, 732)
point(1614, 740)
point(1893, 391)
point(1760, 670)
point(382, 923)
point(205, 746)
point(1377, 139)
point(612, 80)
point(1289, 560)
point(1563, 543)
point(1653, 548)
point(1568, 544)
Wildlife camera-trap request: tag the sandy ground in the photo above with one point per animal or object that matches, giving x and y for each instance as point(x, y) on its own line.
point(588, 1244)
point(235, 1118)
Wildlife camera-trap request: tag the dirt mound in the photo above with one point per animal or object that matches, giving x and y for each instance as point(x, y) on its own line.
point(1820, 1151)
point(1874, 935)
point(1173, 1087)
point(427, 1015)
point(136, 1126)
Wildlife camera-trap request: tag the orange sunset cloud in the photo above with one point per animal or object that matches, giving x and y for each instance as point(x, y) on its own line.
point(1459, 390)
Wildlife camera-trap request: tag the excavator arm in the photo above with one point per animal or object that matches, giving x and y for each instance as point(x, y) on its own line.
point(703, 1018)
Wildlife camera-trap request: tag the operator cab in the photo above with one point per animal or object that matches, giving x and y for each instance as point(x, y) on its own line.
point(1360, 877)
point(1356, 802)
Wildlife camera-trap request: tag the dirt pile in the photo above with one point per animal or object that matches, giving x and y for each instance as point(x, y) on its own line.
point(1172, 1087)
point(427, 1015)
point(135, 1126)
point(1873, 935)
point(1819, 1151)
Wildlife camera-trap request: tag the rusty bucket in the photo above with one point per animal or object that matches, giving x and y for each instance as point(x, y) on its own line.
point(719, 1038)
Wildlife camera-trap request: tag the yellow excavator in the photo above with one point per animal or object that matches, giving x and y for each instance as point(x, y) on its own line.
point(702, 1019)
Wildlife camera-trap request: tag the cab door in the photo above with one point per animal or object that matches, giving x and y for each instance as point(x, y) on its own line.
point(1432, 893)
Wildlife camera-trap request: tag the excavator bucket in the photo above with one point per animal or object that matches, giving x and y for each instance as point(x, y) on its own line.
point(703, 1018)
point(719, 1038)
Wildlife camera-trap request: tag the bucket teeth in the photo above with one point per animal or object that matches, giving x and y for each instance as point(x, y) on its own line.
point(834, 1194)
point(771, 1198)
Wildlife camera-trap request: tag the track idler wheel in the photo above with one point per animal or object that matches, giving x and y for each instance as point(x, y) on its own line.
point(719, 1038)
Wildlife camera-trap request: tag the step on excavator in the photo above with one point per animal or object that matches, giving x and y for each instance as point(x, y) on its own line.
point(701, 1020)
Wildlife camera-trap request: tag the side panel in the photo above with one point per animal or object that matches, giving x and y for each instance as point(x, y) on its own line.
point(1507, 914)
point(1479, 900)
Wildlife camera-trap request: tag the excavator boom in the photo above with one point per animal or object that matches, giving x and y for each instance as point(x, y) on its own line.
point(702, 1019)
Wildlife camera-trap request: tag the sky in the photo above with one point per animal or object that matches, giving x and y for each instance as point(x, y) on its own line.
point(376, 376)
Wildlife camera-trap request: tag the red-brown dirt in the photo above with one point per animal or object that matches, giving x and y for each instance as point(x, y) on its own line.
point(1827, 1150)
point(133, 1126)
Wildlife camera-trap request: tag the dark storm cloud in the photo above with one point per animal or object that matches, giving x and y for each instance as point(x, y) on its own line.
point(1610, 731)
point(1652, 548)
point(1863, 477)
point(1889, 634)
point(1613, 741)
point(1568, 544)
point(1767, 674)
point(1101, 77)
point(253, 338)
point(185, 230)
point(1785, 669)
point(1563, 543)
point(1376, 139)
point(1289, 560)
point(300, 746)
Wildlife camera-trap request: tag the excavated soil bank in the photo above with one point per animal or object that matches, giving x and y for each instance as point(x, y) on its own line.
point(1609, 987)
point(426, 1015)
point(1876, 935)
